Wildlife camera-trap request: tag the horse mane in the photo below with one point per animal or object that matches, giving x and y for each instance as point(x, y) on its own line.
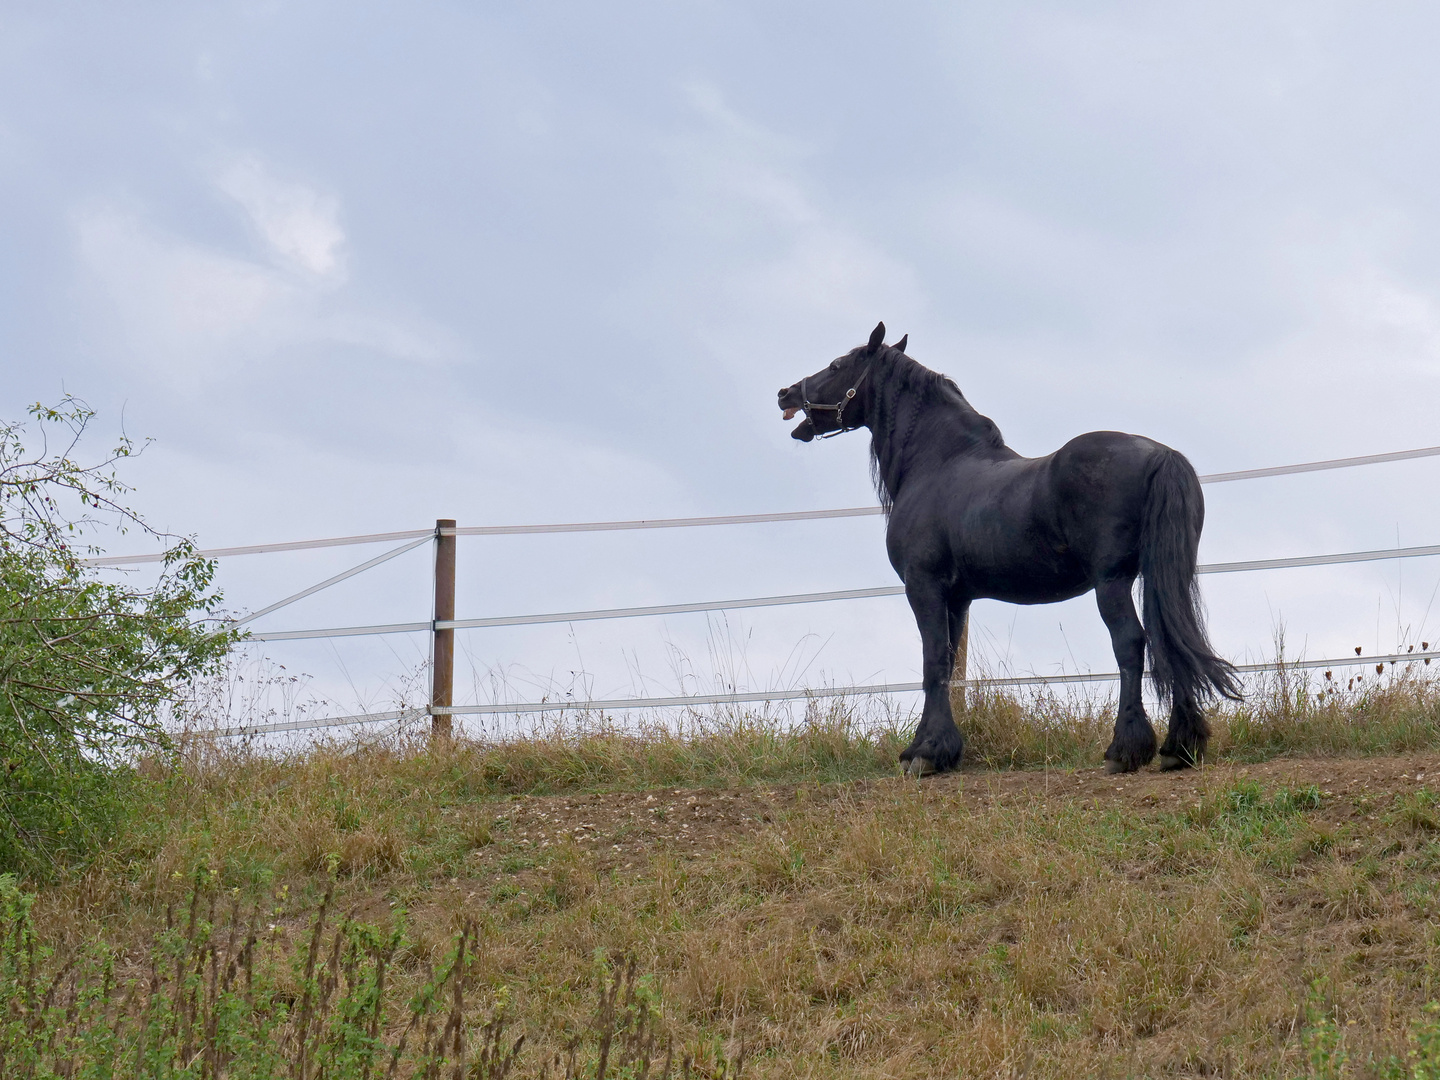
point(901, 379)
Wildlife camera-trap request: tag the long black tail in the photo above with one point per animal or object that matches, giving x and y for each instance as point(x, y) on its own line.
point(1182, 663)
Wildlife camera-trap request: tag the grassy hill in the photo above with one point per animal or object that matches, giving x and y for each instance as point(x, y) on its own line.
point(765, 902)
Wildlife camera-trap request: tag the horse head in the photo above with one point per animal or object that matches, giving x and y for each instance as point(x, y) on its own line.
point(831, 398)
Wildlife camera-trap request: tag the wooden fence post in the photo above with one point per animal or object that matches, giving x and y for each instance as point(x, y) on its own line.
point(442, 665)
point(962, 655)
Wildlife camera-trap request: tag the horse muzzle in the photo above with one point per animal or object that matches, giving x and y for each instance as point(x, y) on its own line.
point(791, 402)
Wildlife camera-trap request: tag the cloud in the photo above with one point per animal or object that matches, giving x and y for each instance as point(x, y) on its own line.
point(179, 302)
point(1377, 314)
point(300, 225)
point(735, 158)
point(189, 310)
point(835, 274)
point(759, 247)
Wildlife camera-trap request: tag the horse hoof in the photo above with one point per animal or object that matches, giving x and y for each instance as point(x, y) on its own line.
point(1169, 763)
point(917, 767)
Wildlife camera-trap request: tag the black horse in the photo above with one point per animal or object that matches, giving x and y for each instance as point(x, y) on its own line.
point(970, 519)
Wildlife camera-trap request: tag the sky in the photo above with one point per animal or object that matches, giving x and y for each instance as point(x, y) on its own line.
point(356, 267)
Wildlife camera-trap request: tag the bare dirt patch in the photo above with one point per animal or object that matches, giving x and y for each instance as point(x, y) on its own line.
point(623, 828)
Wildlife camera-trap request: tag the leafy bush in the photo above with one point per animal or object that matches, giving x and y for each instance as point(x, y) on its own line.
point(87, 665)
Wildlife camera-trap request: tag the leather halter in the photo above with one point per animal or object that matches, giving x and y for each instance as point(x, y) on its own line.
point(808, 406)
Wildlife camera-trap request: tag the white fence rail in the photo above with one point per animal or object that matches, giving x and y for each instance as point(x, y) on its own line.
point(414, 538)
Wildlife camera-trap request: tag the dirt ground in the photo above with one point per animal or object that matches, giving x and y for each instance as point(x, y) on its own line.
point(623, 828)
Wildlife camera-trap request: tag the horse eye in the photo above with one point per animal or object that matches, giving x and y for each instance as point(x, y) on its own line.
point(834, 365)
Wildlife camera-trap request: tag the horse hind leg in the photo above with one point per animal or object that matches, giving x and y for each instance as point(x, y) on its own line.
point(1188, 737)
point(1134, 741)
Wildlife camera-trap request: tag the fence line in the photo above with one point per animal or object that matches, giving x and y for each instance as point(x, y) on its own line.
point(690, 522)
point(767, 601)
point(761, 696)
point(342, 576)
point(440, 710)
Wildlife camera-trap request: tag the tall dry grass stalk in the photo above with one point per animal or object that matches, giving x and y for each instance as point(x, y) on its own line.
point(1386, 708)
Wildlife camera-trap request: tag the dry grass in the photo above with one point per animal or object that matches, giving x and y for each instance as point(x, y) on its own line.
point(1286, 711)
point(914, 932)
point(834, 925)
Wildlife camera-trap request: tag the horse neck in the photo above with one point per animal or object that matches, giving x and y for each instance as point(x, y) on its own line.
point(917, 428)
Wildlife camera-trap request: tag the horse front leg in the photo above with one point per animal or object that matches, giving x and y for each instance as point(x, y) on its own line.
point(938, 744)
point(1134, 742)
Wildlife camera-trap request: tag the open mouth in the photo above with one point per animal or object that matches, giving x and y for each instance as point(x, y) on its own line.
point(805, 430)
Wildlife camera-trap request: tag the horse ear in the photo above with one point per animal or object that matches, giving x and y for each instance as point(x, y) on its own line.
point(900, 345)
point(877, 336)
